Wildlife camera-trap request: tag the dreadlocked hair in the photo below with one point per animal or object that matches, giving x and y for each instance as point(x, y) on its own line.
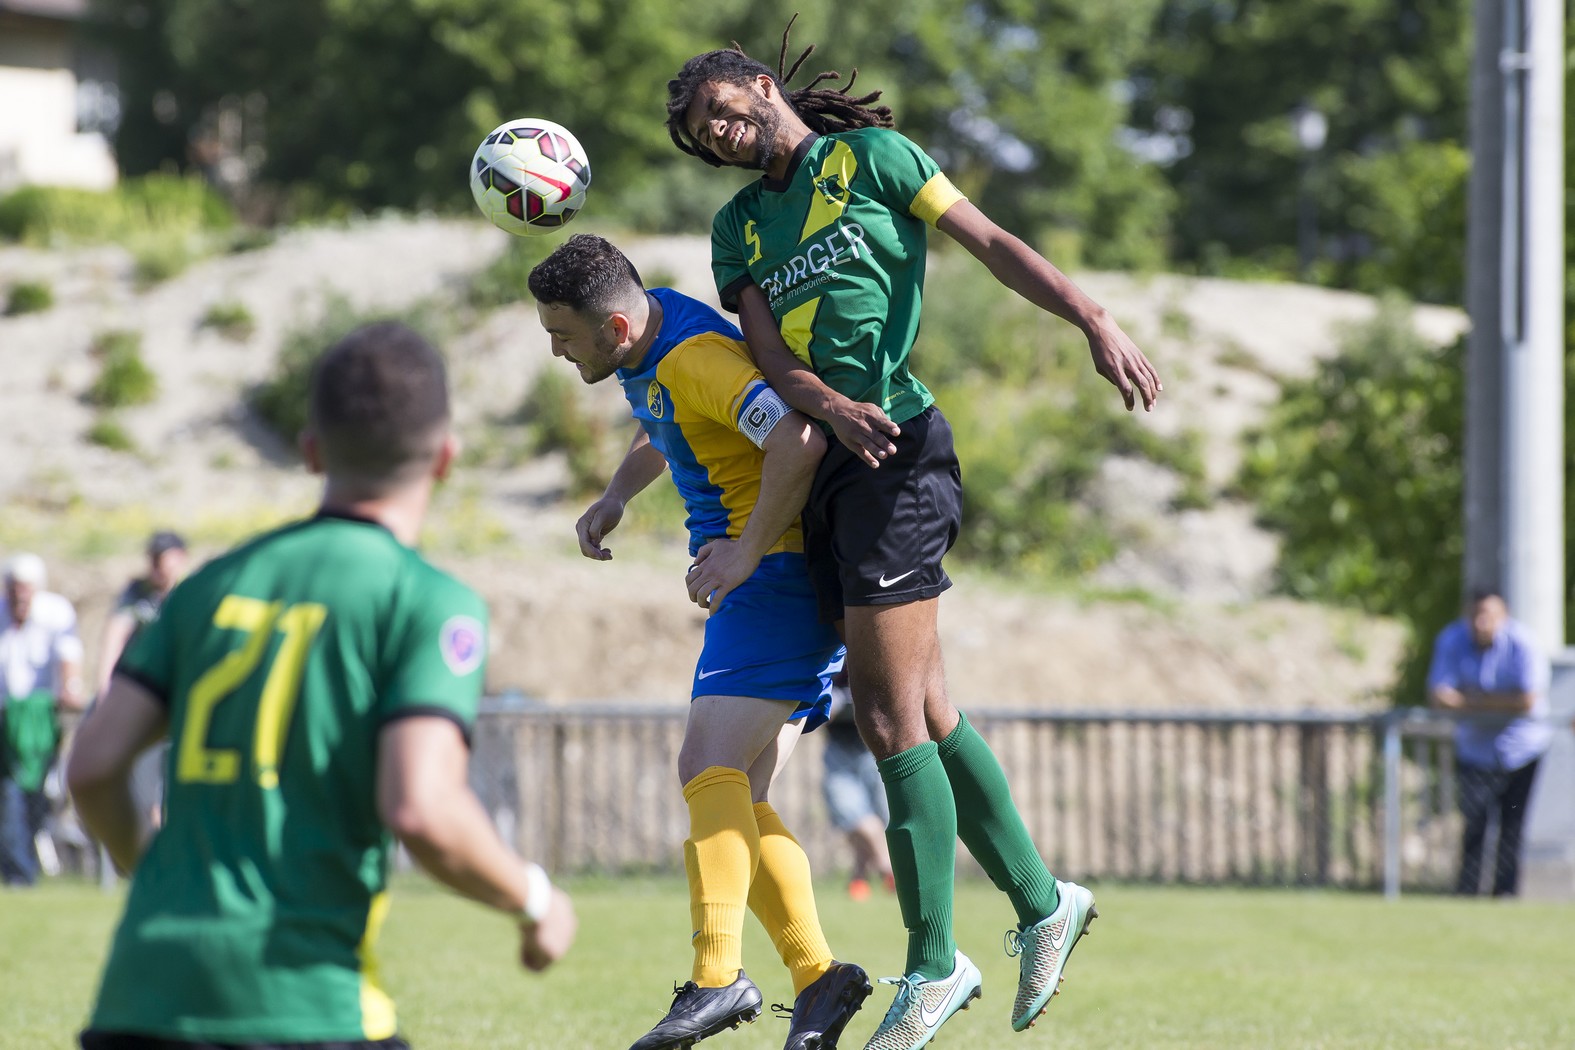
point(824, 110)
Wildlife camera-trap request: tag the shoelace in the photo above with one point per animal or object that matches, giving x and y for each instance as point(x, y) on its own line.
point(1014, 943)
point(784, 1013)
point(907, 988)
point(679, 991)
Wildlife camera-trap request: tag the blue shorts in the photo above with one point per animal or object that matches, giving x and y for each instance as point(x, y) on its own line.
point(766, 640)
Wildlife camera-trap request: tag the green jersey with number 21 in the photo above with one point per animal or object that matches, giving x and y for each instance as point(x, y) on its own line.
point(252, 916)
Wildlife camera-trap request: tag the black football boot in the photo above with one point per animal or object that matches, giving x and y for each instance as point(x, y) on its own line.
point(823, 1010)
point(699, 1013)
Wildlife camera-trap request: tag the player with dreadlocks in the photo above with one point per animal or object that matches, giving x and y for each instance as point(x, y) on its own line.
point(823, 259)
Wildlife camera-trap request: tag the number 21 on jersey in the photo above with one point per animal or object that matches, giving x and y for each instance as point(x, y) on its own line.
point(259, 620)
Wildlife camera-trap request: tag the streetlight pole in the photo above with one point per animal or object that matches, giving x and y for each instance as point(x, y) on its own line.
point(1311, 128)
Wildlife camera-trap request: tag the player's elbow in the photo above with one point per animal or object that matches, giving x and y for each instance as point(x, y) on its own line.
point(803, 442)
point(89, 769)
point(406, 817)
point(414, 820)
point(815, 444)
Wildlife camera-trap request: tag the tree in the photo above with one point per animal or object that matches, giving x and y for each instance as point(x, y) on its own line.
point(380, 102)
point(1359, 468)
point(1392, 78)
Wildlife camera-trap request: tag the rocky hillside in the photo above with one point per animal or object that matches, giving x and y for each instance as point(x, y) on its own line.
point(1191, 625)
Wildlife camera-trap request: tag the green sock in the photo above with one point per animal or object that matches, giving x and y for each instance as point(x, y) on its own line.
point(922, 837)
point(990, 826)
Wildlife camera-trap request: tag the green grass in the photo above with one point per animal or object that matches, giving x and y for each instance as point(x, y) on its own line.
point(1163, 968)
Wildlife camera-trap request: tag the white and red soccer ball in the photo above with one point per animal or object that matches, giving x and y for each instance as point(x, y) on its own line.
point(530, 176)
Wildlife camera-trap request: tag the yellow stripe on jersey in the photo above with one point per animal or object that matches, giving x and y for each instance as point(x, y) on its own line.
point(934, 198)
point(708, 376)
point(831, 190)
point(377, 1009)
point(798, 328)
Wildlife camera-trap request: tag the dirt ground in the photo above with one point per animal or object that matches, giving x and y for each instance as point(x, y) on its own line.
point(1192, 625)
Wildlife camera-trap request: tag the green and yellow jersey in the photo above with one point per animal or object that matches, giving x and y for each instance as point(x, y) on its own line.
point(252, 916)
point(838, 247)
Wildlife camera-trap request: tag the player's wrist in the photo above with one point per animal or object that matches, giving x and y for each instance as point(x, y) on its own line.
point(538, 896)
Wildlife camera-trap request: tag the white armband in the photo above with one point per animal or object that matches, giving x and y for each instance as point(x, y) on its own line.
point(763, 413)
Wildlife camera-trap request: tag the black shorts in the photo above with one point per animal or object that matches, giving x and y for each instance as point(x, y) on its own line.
point(92, 1040)
point(876, 536)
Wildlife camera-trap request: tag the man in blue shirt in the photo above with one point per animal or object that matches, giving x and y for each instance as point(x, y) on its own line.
point(1488, 672)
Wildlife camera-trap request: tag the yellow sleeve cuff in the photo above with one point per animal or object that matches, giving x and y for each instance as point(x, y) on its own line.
point(933, 200)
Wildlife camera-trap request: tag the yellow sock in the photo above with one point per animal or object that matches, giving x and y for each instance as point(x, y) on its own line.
point(721, 854)
point(783, 899)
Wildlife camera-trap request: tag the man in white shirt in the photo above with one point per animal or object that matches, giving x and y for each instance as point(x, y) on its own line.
point(40, 670)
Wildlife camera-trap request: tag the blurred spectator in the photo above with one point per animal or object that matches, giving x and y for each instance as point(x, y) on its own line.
point(138, 606)
point(855, 796)
point(1488, 672)
point(41, 659)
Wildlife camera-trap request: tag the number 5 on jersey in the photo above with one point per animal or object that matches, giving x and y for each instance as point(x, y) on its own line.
point(196, 762)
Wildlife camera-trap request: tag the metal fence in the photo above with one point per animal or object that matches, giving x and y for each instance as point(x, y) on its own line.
point(1348, 800)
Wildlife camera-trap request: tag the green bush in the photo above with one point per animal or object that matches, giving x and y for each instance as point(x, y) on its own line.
point(1032, 422)
point(558, 420)
point(152, 205)
point(29, 297)
point(244, 239)
point(113, 341)
point(503, 281)
point(280, 401)
point(230, 319)
point(107, 432)
point(157, 259)
point(1359, 469)
point(124, 379)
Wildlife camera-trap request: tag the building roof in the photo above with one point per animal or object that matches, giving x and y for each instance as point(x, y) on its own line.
point(66, 10)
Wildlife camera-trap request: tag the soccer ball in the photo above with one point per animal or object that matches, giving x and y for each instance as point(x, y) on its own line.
point(530, 176)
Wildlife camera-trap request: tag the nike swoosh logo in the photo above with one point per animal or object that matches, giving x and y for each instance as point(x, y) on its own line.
point(703, 675)
point(1058, 942)
point(884, 582)
point(932, 1019)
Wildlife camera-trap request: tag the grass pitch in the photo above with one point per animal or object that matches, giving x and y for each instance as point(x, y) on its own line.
point(1162, 968)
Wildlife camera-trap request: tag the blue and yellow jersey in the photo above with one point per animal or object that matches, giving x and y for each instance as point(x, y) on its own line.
point(693, 393)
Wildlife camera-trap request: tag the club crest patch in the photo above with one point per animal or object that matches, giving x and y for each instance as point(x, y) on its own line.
point(462, 643)
point(653, 399)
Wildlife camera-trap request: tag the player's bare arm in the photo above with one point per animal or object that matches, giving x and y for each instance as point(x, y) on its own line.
point(117, 632)
point(863, 427)
point(1035, 278)
point(793, 451)
point(128, 720)
point(641, 465)
point(424, 798)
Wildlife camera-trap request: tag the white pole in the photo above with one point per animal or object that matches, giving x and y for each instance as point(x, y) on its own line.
point(1532, 318)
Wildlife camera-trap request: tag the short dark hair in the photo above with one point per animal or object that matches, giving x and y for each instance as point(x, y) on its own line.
point(587, 273)
point(1482, 593)
point(379, 404)
point(821, 109)
point(165, 540)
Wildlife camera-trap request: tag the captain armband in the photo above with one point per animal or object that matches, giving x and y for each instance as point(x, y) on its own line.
point(763, 413)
